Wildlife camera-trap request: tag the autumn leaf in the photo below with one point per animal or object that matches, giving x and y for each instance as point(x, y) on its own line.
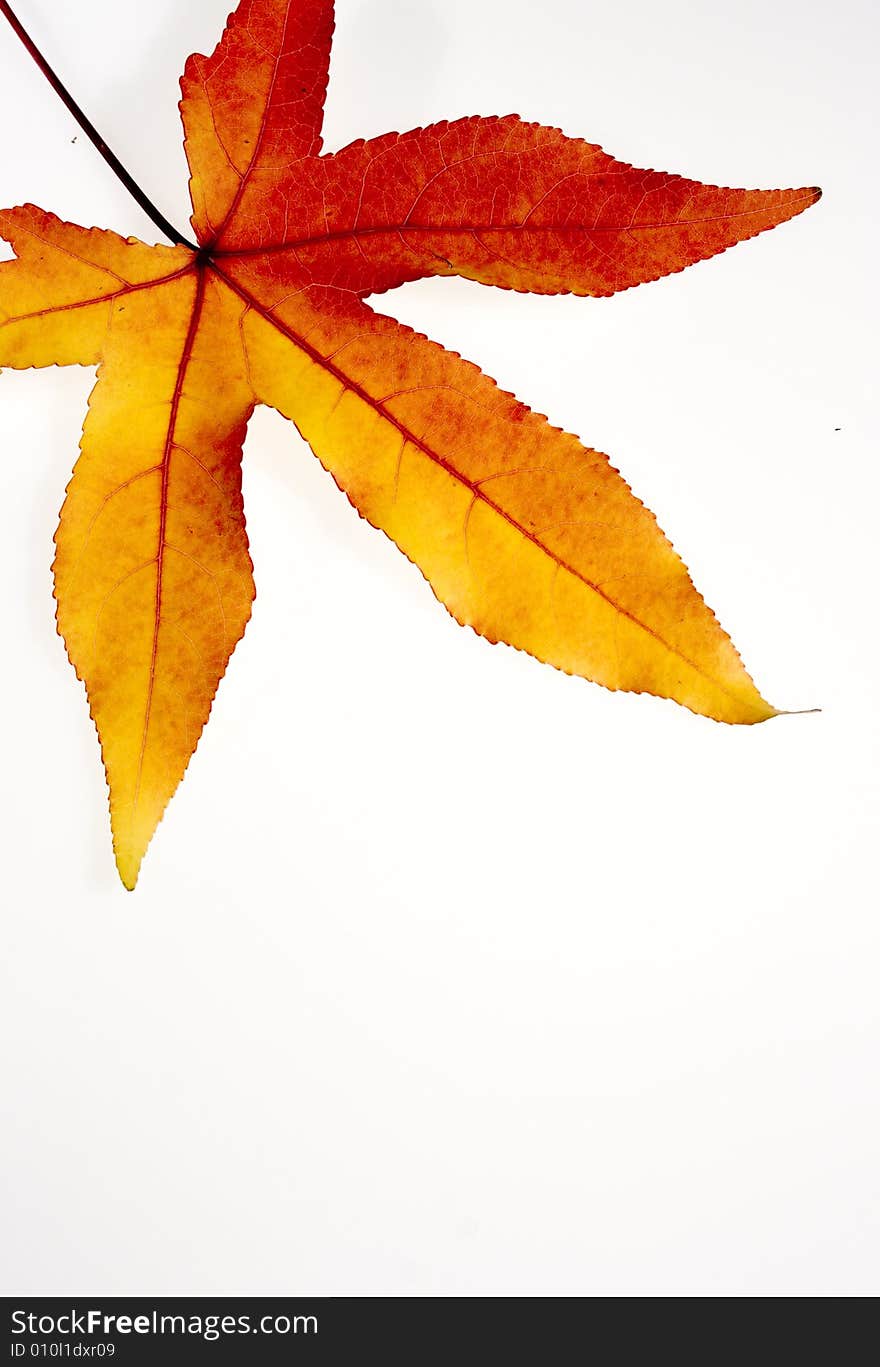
point(523, 533)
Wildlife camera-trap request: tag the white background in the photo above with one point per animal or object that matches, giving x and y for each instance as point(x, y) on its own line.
point(446, 972)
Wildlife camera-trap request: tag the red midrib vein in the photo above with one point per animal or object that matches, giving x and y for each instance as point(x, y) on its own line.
point(258, 143)
point(478, 493)
point(99, 299)
point(449, 229)
point(183, 365)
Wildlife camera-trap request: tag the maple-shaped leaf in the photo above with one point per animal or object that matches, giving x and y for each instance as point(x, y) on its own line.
point(523, 533)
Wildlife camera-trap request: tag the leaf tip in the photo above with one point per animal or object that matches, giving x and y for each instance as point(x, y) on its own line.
point(128, 866)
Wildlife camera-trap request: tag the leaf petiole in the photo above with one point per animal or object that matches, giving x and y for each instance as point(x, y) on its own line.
point(92, 133)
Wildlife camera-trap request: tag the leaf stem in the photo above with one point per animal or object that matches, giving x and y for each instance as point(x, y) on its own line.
point(92, 133)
